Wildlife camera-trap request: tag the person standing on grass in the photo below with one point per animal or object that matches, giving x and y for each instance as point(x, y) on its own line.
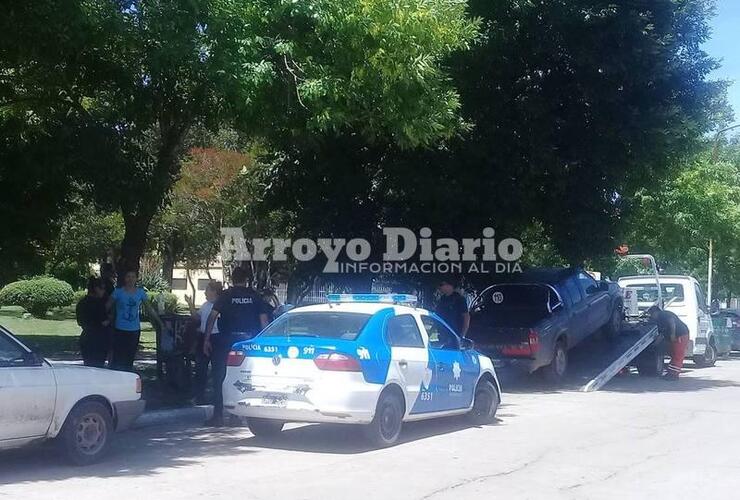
point(241, 314)
point(213, 290)
point(93, 318)
point(126, 303)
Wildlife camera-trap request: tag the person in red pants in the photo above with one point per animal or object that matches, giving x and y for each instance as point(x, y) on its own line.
point(676, 333)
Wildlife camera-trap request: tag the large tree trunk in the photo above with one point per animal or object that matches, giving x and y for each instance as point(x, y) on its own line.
point(134, 241)
point(139, 211)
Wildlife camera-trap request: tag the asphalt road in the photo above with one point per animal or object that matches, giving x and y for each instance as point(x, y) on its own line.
point(637, 438)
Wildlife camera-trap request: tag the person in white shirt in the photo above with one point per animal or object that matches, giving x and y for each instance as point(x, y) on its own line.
point(213, 290)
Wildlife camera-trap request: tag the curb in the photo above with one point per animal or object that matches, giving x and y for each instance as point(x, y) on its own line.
point(191, 415)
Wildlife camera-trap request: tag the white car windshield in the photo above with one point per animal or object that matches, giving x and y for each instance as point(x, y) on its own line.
point(321, 324)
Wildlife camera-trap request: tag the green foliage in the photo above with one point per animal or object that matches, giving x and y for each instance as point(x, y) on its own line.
point(78, 296)
point(677, 219)
point(132, 78)
point(37, 295)
point(575, 105)
point(171, 304)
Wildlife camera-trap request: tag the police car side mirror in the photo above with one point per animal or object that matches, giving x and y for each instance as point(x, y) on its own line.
point(466, 344)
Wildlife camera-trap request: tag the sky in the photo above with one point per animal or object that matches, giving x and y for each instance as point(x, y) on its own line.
point(725, 45)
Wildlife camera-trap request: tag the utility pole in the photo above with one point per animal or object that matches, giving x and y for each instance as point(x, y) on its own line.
point(709, 279)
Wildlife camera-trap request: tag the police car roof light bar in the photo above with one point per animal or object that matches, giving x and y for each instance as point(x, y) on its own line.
point(386, 298)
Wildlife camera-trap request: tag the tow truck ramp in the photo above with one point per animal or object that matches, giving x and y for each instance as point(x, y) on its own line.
point(644, 335)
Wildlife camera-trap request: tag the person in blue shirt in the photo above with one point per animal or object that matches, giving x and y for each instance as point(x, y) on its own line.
point(126, 303)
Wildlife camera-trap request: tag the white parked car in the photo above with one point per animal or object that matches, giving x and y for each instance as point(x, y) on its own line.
point(77, 406)
point(360, 359)
point(683, 296)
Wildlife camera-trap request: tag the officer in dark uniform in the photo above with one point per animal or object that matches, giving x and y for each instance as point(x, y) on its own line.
point(241, 314)
point(453, 308)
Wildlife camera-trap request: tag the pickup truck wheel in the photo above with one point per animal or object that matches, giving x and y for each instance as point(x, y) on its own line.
point(485, 404)
point(385, 428)
point(86, 434)
point(708, 359)
point(555, 371)
point(650, 363)
point(263, 427)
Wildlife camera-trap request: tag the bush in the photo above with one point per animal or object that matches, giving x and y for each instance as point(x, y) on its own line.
point(79, 295)
point(171, 304)
point(37, 295)
point(153, 281)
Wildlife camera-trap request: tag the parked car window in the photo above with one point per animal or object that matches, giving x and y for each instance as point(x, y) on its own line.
point(11, 354)
point(402, 331)
point(573, 291)
point(440, 337)
point(588, 284)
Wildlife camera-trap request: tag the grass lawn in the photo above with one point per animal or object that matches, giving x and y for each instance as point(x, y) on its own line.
point(57, 335)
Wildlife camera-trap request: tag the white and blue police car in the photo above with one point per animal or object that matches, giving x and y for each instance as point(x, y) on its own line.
point(359, 359)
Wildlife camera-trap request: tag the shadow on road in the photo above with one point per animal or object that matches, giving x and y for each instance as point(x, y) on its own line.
point(147, 452)
point(135, 453)
point(635, 384)
point(348, 439)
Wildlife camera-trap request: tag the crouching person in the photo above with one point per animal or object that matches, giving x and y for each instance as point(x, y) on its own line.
point(676, 334)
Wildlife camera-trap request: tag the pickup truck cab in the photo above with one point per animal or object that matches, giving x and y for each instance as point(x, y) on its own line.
point(683, 296)
point(78, 407)
point(533, 319)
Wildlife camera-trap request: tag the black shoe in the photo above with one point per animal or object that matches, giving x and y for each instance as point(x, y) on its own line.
point(215, 421)
point(670, 376)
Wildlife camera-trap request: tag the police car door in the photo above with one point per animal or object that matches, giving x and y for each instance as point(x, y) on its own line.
point(455, 372)
point(409, 360)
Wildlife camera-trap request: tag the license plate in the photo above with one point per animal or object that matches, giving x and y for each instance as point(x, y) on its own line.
point(274, 399)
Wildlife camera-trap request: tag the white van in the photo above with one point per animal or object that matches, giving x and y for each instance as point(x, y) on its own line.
point(683, 296)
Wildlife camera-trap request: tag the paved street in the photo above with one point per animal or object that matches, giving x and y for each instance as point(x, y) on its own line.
point(631, 440)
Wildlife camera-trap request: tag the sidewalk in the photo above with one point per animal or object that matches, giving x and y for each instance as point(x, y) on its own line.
point(193, 415)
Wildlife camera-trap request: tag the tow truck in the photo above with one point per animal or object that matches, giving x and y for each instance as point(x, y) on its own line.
point(638, 344)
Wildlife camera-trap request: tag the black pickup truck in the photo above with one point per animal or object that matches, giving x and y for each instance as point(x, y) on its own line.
point(534, 318)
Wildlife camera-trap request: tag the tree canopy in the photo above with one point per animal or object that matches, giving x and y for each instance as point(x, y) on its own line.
point(133, 77)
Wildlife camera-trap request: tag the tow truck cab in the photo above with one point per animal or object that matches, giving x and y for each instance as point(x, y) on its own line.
point(683, 296)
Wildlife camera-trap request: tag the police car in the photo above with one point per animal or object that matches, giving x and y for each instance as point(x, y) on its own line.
point(359, 359)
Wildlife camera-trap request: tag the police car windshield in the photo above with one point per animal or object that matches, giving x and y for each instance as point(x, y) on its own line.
point(320, 324)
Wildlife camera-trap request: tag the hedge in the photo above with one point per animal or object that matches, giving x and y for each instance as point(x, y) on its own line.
point(37, 295)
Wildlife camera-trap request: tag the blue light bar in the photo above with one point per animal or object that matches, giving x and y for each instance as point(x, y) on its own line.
point(389, 298)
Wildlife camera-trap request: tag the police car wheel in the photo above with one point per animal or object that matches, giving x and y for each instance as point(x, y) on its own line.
point(386, 425)
point(263, 427)
point(485, 404)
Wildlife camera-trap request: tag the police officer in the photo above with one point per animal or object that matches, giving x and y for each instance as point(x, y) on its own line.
point(676, 333)
point(241, 314)
point(453, 308)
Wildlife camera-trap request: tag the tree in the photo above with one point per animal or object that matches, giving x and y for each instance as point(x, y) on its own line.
point(574, 106)
point(676, 220)
point(86, 236)
point(140, 74)
point(188, 229)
